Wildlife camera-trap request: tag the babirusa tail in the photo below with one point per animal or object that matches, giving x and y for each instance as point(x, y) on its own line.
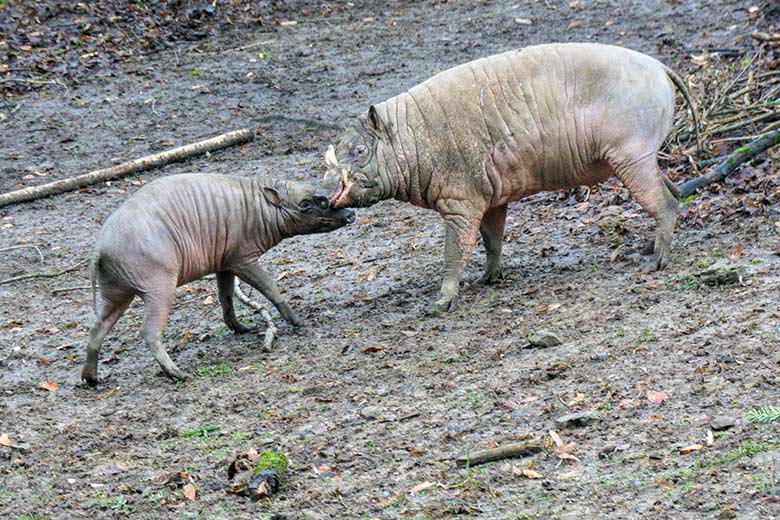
point(93, 267)
point(680, 84)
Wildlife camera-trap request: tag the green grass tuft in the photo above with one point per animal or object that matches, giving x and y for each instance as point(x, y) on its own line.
point(214, 371)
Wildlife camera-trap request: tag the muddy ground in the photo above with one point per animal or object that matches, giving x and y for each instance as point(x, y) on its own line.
point(373, 400)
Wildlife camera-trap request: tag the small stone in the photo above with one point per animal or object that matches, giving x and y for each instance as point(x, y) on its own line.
point(721, 274)
point(722, 422)
point(370, 412)
point(544, 339)
point(600, 356)
point(579, 419)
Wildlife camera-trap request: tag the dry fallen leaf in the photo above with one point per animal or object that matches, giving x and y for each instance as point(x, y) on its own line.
point(609, 23)
point(5, 440)
point(656, 397)
point(529, 473)
point(281, 276)
point(421, 487)
point(208, 301)
point(701, 59)
point(51, 386)
point(522, 21)
point(575, 24)
point(373, 348)
point(627, 404)
point(189, 492)
point(663, 484)
point(737, 252)
point(369, 275)
point(568, 475)
point(107, 394)
point(690, 449)
point(556, 438)
point(548, 308)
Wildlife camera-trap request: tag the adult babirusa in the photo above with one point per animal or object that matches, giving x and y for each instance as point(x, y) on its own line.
point(183, 227)
point(476, 137)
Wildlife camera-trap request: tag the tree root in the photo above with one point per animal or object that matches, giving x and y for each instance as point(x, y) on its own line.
point(271, 331)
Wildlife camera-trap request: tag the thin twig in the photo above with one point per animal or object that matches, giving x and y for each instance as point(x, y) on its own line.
point(271, 331)
point(244, 47)
point(744, 122)
point(299, 120)
point(61, 290)
point(42, 275)
point(731, 85)
point(22, 246)
point(35, 81)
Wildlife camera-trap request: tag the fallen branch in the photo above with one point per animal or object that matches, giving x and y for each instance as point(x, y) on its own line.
point(731, 162)
point(42, 275)
point(271, 331)
point(508, 451)
point(128, 168)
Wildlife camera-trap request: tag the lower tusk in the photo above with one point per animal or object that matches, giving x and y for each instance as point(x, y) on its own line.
point(344, 176)
point(327, 172)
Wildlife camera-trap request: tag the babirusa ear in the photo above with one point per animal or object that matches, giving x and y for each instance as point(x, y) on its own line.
point(272, 196)
point(374, 123)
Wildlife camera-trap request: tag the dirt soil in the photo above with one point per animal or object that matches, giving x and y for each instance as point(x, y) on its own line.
point(374, 400)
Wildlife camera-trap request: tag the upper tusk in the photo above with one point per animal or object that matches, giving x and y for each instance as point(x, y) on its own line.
point(330, 157)
point(344, 176)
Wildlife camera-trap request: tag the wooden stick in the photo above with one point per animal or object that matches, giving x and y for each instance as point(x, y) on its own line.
point(517, 449)
point(42, 275)
point(128, 168)
point(271, 331)
point(731, 162)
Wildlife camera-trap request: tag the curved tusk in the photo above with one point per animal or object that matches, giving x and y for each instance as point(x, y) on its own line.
point(330, 157)
point(344, 176)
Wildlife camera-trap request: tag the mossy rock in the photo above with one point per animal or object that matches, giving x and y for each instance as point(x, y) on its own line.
point(721, 274)
point(271, 460)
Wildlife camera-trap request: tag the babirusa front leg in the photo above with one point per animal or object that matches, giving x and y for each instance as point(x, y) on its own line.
point(461, 235)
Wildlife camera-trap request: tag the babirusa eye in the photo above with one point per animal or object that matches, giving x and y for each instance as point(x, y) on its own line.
point(321, 202)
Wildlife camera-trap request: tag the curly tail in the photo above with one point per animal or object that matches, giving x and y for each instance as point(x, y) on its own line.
point(680, 84)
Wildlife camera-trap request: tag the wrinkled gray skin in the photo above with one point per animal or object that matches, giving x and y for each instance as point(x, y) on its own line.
point(183, 227)
point(478, 136)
